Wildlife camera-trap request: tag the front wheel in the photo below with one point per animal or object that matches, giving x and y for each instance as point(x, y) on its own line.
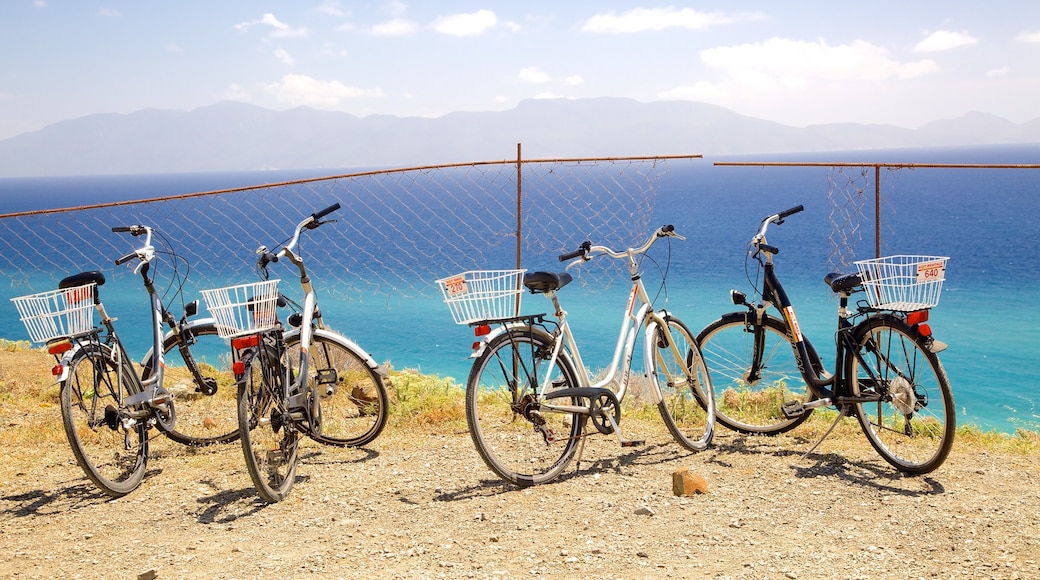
point(749, 397)
point(270, 438)
point(111, 447)
point(206, 411)
point(687, 403)
point(352, 397)
point(912, 424)
point(517, 434)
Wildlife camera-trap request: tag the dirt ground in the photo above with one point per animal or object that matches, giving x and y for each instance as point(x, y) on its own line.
point(421, 504)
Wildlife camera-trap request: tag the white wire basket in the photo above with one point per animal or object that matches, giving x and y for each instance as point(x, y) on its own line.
point(482, 294)
point(243, 309)
point(903, 283)
point(57, 313)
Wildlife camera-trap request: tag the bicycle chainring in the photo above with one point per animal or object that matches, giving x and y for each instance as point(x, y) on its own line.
point(603, 404)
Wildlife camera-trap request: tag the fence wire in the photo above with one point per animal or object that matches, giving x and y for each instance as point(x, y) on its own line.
point(397, 231)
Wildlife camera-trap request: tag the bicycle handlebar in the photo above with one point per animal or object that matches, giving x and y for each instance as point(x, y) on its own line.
point(146, 252)
point(586, 248)
point(311, 222)
point(759, 241)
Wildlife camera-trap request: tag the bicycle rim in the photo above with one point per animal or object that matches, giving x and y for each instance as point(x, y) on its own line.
point(112, 455)
point(352, 396)
point(269, 438)
point(687, 402)
point(204, 416)
point(749, 404)
point(912, 426)
point(520, 440)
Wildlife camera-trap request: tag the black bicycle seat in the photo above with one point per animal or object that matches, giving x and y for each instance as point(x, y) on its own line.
point(546, 281)
point(840, 282)
point(82, 279)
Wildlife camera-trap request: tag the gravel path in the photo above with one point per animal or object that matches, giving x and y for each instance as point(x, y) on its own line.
point(421, 505)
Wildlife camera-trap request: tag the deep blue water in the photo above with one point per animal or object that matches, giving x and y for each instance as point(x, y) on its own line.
point(984, 219)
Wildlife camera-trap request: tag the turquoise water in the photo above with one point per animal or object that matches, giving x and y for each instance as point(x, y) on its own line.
point(984, 219)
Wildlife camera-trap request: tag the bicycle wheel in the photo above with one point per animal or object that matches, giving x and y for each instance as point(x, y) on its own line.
point(687, 403)
point(353, 399)
point(912, 425)
point(206, 413)
point(112, 452)
point(517, 436)
point(749, 404)
point(270, 439)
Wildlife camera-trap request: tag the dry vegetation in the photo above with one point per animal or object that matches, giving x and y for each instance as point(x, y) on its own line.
point(419, 503)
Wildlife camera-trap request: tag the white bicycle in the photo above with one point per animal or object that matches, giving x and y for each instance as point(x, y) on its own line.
point(529, 397)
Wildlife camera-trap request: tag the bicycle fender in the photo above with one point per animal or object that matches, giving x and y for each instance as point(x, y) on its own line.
point(348, 344)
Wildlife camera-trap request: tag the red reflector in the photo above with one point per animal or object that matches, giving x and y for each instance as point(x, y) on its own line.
point(245, 341)
point(476, 345)
point(239, 368)
point(917, 317)
point(924, 330)
point(57, 370)
point(482, 330)
point(59, 347)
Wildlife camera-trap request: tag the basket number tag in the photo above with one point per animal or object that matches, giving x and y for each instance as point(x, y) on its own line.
point(930, 271)
point(455, 286)
point(78, 294)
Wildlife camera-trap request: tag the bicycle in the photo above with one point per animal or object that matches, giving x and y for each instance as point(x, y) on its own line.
point(307, 380)
point(529, 396)
point(886, 372)
point(107, 407)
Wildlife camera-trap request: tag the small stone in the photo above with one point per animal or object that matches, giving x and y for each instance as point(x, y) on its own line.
point(149, 575)
point(686, 482)
point(644, 511)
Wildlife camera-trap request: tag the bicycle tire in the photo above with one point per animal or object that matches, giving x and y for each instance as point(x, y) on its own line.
point(112, 456)
point(687, 403)
point(352, 396)
point(501, 409)
point(915, 437)
point(270, 438)
point(202, 419)
point(755, 407)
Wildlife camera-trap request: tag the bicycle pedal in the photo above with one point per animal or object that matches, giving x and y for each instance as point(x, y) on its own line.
point(793, 409)
point(633, 443)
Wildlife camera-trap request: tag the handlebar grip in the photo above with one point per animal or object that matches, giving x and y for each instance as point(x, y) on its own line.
point(791, 211)
point(668, 228)
point(325, 212)
point(125, 259)
point(576, 253)
point(120, 229)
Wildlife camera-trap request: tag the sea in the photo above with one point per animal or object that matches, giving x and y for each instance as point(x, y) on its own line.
point(983, 219)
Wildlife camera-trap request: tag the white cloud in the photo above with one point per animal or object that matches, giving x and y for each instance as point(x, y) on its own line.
point(281, 29)
point(173, 47)
point(533, 75)
point(783, 66)
point(998, 72)
point(40, 3)
point(643, 19)
point(573, 80)
point(235, 92)
point(1028, 37)
point(109, 12)
point(395, 27)
point(465, 24)
point(332, 8)
point(306, 90)
point(941, 40)
point(284, 57)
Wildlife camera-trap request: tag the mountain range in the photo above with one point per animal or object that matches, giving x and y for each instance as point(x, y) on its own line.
point(233, 136)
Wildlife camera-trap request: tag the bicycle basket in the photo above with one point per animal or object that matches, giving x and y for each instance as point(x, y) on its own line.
point(904, 283)
point(57, 313)
point(243, 309)
point(482, 294)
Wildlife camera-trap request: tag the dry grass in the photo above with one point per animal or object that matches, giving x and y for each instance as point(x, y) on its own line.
point(30, 413)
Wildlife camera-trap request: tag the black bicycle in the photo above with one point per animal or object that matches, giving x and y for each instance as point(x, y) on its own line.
point(768, 377)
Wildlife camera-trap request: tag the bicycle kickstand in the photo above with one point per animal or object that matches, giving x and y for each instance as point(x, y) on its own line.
point(617, 431)
point(842, 413)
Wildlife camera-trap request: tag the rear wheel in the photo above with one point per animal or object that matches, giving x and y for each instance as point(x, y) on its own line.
point(912, 424)
point(519, 437)
point(270, 438)
point(750, 401)
point(687, 404)
point(110, 446)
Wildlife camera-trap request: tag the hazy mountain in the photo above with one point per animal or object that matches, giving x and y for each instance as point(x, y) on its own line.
point(232, 136)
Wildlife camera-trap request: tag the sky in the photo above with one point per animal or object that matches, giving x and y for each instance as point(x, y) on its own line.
point(902, 63)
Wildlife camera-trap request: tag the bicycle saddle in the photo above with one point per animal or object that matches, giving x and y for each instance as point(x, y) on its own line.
point(839, 282)
point(546, 281)
point(81, 279)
